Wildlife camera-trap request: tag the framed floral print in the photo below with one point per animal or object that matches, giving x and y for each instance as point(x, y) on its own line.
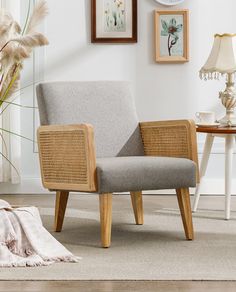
point(114, 21)
point(172, 36)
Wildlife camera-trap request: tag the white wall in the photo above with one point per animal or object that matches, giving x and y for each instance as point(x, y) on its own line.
point(162, 91)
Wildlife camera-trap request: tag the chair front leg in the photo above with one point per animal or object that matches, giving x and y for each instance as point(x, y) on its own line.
point(185, 210)
point(105, 202)
point(137, 203)
point(60, 208)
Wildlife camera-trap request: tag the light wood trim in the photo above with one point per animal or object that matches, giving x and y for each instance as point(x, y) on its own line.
point(60, 208)
point(175, 138)
point(137, 203)
point(67, 157)
point(172, 59)
point(186, 213)
point(105, 202)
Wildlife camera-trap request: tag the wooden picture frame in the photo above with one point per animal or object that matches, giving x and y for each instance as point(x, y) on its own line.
point(114, 21)
point(172, 36)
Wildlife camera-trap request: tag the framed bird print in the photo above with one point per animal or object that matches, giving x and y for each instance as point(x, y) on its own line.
point(172, 36)
point(114, 21)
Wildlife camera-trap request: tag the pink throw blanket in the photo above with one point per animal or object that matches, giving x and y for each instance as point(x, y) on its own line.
point(25, 242)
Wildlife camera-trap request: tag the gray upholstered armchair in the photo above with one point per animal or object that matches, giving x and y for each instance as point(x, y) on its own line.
point(91, 141)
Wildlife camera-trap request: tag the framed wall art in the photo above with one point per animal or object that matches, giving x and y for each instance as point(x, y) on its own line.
point(172, 36)
point(114, 21)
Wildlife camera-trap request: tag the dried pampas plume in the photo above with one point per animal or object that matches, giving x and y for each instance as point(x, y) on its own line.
point(16, 45)
point(38, 14)
point(31, 40)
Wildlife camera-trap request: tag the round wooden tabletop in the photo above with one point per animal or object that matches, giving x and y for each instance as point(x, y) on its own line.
point(217, 130)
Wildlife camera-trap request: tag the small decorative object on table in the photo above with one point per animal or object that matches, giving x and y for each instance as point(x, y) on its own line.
point(171, 36)
point(206, 119)
point(114, 21)
point(222, 61)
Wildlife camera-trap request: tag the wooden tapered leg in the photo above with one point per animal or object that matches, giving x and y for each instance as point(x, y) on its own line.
point(137, 203)
point(60, 208)
point(185, 210)
point(105, 201)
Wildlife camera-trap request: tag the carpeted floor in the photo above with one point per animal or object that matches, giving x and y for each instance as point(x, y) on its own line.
point(155, 251)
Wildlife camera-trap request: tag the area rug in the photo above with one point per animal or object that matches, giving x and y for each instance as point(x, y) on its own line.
point(155, 251)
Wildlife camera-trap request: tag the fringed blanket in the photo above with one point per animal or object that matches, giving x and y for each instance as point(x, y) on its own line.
point(25, 242)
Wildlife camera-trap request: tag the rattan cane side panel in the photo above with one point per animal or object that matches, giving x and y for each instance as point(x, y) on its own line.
point(64, 157)
point(171, 139)
point(166, 141)
point(67, 157)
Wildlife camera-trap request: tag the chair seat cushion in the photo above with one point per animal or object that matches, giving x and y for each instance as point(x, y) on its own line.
point(136, 173)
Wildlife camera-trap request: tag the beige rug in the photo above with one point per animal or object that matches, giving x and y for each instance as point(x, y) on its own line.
point(155, 251)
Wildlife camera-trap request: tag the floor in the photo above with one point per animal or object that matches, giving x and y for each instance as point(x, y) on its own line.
point(118, 286)
point(216, 203)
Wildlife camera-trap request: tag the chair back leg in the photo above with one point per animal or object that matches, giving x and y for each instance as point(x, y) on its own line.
point(60, 208)
point(137, 203)
point(105, 202)
point(185, 210)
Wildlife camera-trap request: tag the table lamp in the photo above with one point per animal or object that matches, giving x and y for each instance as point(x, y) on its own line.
point(222, 62)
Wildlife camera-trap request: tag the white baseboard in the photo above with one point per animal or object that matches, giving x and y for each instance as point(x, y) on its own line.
point(27, 186)
point(34, 186)
point(209, 187)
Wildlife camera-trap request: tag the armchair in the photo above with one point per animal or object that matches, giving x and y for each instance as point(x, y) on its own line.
point(114, 152)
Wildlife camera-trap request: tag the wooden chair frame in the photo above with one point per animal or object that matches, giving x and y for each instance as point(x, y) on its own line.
point(68, 163)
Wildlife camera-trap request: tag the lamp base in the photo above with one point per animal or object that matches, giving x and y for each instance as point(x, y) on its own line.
point(228, 99)
point(229, 120)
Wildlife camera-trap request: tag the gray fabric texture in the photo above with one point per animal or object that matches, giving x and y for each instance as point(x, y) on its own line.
point(120, 174)
point(107, 105)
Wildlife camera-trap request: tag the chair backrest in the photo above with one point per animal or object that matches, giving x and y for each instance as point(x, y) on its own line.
point(107, 105)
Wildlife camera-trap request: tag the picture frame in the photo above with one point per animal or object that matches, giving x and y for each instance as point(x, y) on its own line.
point(172, 36)
point(114, 21)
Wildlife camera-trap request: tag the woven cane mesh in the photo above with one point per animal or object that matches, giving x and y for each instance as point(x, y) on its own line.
point(166, 141)
point(63, 156)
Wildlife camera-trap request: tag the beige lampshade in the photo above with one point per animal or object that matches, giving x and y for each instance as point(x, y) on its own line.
point(222, 58)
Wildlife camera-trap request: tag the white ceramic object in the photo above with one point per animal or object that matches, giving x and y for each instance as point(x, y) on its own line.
point(205, 118)
point(169, 2)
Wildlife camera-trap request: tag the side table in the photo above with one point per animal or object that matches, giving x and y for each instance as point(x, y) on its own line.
point(229, 134)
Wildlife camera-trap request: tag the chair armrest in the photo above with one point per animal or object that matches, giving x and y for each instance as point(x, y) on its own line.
point(170, 139)
point(67, 157)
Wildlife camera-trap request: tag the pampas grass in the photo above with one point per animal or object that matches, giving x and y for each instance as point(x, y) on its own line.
point(16, 44)
point(38, 14)
point(32, 40)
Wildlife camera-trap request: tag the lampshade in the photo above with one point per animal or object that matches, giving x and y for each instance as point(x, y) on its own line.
point(222, 58)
